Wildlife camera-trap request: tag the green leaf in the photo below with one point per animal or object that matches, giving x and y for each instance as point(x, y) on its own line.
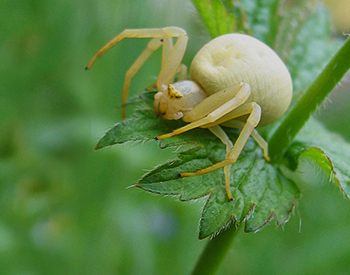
point(143, 125)
point(308, 47)
point(299, 32)
point(319, 157)
point(215, 16)
point(295, 18)
point(260, 193)
point(262, 17)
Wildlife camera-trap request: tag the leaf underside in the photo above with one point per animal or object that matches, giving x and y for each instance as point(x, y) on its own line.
point(326, 161)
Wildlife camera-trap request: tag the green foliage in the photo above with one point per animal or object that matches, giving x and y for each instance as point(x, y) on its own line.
point(65, 209)
point(215, 16)
point(260, 191)
point(319, 157)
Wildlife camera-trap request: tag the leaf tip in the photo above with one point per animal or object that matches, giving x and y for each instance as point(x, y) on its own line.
point(134, 185)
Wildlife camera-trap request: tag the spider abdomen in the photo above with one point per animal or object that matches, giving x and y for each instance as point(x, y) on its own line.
point(235, 58)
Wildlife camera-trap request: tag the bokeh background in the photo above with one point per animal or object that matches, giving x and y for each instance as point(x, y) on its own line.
point(66, 209)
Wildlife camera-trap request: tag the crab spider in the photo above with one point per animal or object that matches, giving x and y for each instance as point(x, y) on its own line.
point(235, 81)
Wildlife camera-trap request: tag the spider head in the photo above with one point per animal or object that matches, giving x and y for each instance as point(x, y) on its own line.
point(177, 99)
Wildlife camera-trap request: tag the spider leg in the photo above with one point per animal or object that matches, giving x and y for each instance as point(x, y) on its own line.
point(172, 63)
point(182, 72)
point(182, 76)
point(171, 55)
point(218, 132)
point(152, 46)
point(255, 135)
point(138, 33)
point(220, 109)
point(167, 48)
point(252, 121)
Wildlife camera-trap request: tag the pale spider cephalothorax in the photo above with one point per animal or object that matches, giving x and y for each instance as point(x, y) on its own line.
point(235, 80)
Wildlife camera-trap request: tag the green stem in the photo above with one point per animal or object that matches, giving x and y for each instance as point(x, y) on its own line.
point(214, 253)
point(299, 114)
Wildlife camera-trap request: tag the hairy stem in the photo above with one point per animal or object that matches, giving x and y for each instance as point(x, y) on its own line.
point(299, 114)
point(214, 253)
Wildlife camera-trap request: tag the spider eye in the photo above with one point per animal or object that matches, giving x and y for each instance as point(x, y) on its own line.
point(173, 93)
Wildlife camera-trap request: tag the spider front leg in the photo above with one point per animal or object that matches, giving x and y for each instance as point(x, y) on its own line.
point(171, 57)
point(213, 108)
point(181, 76)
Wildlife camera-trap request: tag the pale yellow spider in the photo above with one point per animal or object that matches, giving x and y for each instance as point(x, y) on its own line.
point(236, 81)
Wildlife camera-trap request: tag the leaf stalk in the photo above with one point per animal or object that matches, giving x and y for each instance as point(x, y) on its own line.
point(215, 251)
point(300, 113)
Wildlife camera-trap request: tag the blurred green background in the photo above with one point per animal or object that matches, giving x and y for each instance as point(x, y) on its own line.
point(65, 208)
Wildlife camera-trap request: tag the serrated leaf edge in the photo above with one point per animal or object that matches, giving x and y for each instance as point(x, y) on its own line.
point(333, 174)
